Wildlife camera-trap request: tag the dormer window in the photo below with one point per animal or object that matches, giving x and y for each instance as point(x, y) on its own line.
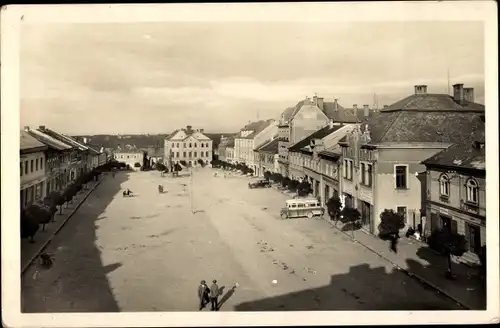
point(472, 191)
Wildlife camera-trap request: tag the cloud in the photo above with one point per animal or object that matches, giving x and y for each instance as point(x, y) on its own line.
point(222, 74)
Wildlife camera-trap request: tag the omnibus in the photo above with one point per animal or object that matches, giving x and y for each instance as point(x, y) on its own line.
point(302, 207)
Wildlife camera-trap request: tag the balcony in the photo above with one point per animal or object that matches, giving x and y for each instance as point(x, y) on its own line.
point(470, 207)
point(444, 199)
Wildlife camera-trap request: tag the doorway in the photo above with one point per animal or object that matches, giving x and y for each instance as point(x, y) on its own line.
point(366, 216)
point(474, 238)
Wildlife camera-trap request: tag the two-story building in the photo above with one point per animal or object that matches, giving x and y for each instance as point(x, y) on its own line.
point(251, 137)
point(267, 157)
point(78, 161)
point(57, 158)
point(187, 145)
point(382, 160)
point(305, 162)
point(130, 157)
point(456, 193)
point(32, 169)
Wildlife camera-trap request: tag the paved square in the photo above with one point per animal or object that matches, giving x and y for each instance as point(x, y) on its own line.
point(149, 253)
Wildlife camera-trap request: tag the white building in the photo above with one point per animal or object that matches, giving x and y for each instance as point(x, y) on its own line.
point(130, 157)
point(187, 145)
point(32, 169)
point(250, 138)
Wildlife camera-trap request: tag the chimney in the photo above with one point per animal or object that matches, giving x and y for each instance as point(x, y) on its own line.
point(202, 130)
point(42, 127)
point(458, 93)
point(366, 110)
point(385, 106)
point(420, 89)
point(335, 105)
point(330, 124)
point(469, 94)
point(27, 128)
point(320, 102)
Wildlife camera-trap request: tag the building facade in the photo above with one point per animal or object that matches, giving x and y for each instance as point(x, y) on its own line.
point(267, 157)
point(456, 189)
point(32, 169)
point(187, 145)
point(130, 157)
point(251, 137)
point(382, 159)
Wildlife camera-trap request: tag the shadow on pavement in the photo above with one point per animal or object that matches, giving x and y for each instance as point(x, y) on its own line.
point(348, 292)
point(227, 296)
point(77, 282)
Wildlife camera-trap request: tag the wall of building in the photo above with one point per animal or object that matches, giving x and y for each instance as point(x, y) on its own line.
point(129, 158)
point(309, 119)
point(33, 174)
point(189, 150)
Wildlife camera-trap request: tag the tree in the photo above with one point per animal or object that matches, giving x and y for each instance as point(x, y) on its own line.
point(292, 186)
point(177, 167)
point(285, 182)
point(39, 214)
point(183, 163)
point(304, 188)
point(57, 199)
point(390, 224)
point(448, 243)
point(351, 216)
point(29, 226)
point(137, 164)
point(161, 167)
point(333, 206)
point(267, 175)
point(69, 193)
point(250, 171)
point(201, 162)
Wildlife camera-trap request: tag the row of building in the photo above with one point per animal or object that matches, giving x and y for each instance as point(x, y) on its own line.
point(50, 160)
point(423, 156)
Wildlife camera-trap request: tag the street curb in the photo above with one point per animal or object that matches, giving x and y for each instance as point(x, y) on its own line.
point(47, 242)
point(408, 273)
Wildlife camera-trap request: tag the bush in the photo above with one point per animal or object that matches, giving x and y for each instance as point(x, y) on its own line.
point(57, 199)
point(29, 226)
point(177, 167)
point(201, 162)
point(292, 186)
point(69, 193)
point(390, 223)
point(250, 171)
point(160, 167)
point(39, 213)
point(137, 164)
point(333, 206)
point(183, 163)
point(304, 188)
point(267, 175)
point(285, 182)
point(350, 216)
point(447, 243)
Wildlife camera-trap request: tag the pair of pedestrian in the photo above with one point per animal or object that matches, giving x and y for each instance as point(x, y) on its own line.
point(209, 295)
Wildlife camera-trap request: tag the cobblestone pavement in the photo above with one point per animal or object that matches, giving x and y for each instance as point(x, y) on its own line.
point(149, 252)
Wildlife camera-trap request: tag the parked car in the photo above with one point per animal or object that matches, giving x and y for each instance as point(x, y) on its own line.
point(259, 184)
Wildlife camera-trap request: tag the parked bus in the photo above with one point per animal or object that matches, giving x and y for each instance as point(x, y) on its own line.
point(302, 207)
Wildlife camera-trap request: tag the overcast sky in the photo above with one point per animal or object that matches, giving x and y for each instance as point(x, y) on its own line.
point(156, 77)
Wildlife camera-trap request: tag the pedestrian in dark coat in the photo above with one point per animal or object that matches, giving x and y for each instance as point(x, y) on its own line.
point(214, 295)
point(203, 292)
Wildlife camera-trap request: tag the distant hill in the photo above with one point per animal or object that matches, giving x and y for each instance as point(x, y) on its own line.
point(140, 140)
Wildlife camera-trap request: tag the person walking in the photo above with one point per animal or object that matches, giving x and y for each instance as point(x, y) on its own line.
point(214, 295)
point(203, 292)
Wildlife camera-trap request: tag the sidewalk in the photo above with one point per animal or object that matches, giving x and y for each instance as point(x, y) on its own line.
point(29, 252)
point(423, 264)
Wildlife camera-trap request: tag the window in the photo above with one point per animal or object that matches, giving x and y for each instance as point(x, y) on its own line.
point(347, 169)
point(36, 164)
point(472, 191)
point(363, 175)
point(473, 238)
point(401, 177)
point(195, 154)
point(41, 163)
point(177, 154)
point(195, 145)
point(206, 153)
point(369, 174)
point(190, 154)
point(184, 145)
point(184, 154)
point(444, 185)
point(201, 154)
point(177, 145)
point(31, 166)
point(202, 145)
point(402, 210)
point(190, 145)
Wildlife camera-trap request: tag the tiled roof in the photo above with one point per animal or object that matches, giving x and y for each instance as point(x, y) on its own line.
point(290, 112)
point(256, 127)
point(340, 114)
point(49, 141)
point(29, 143)
point(323, 132)
point(64, 138)
point(440, 119)
point(187, 132)
point(270, 146)
point(466, 154)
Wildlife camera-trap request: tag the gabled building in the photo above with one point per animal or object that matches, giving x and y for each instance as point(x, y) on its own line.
point(267, 157)
point(78, 162)
point(382, 160)
point(189, 145)
point(456, 192)
point(32, 169)
point(57, 157)
point(250, 137)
